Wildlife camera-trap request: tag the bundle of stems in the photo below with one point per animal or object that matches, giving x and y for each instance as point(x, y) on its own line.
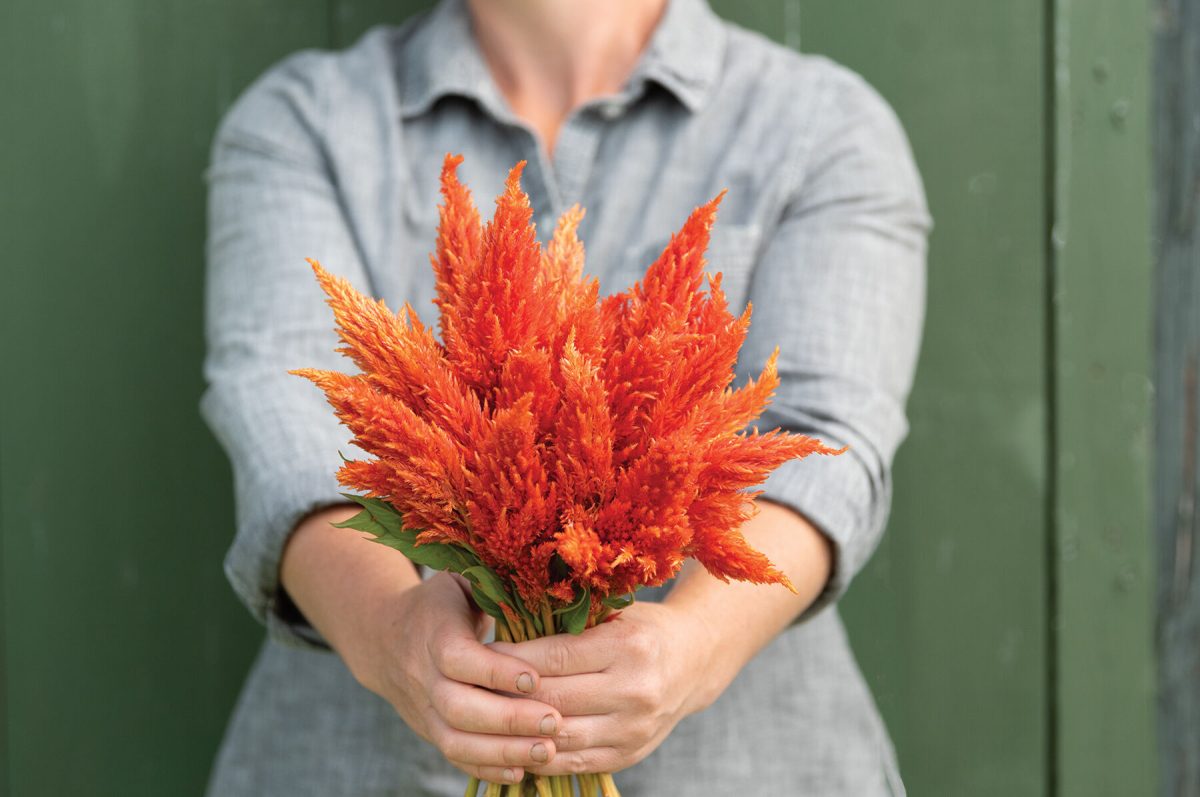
point(520, 628)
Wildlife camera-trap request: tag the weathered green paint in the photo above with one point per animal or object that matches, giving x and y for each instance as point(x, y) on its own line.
point(121, 646)
point(353, 17)
point(949, 619)
point(1177, 392)
point(124, 646)
point(1100, 302)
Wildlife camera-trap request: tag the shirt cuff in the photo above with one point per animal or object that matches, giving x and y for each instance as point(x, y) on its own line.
point(268, 512)
point(840, 498)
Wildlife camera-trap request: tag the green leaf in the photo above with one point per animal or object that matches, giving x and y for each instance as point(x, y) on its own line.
point(618, 602)
point(486, 604)
point(362, 522)
point(490, 584)
point(559, 570)
point(575, 616)
point(580, 596)
point(379, 510)
point(386, 524)
point(434, 555)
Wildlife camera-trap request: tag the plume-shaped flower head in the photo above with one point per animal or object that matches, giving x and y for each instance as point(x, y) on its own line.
point(558, 448)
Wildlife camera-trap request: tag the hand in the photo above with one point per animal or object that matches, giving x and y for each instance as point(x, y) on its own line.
point(431, 667)
point(417, 644)
point(622, 686)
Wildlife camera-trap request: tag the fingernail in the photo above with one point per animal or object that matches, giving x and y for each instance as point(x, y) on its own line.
point(525, 683)
point(549, 725)
point(538, 753)
point(510, 776)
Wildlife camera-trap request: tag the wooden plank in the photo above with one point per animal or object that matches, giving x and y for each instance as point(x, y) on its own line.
point(949, 618)
point(1104, 740)
point(351, 18)
point(124, 646)
point(1177, 392)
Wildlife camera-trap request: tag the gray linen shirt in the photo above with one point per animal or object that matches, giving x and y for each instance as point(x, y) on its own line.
point(336, 155)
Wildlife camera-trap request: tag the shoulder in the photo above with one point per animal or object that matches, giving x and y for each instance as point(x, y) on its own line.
point(293, 103)
point(825, 109)
point(820, 91)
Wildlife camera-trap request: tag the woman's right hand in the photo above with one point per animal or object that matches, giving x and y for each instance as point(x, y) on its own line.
point(418, 645)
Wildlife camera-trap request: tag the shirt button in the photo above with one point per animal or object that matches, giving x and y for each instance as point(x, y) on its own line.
point(610, 110)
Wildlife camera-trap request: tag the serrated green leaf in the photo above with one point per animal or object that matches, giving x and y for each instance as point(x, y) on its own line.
point(363, 521)
point(380, 519)
point(618, 602)
point(434, 555)
point(575, 616)
point(381, 511)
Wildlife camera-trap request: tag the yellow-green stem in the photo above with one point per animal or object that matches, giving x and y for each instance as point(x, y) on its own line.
point(542, 784)
point(472, 787)
point(607, 787)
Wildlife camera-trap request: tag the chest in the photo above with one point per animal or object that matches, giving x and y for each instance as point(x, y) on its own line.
point(636, 170)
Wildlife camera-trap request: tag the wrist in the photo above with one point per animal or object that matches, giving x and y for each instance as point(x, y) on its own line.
point(339, 580)
point(712, 669)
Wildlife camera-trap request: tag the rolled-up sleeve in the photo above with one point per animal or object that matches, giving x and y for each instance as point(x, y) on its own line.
point(272, 203)
point(840, 288)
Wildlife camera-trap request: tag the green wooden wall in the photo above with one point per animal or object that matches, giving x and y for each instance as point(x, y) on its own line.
point(1177, 391)
point(1004, 624)
point(123, 646)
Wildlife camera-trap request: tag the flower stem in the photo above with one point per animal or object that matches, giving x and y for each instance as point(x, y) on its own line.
point(607, 787)
point(472, 787)
point(543, 786)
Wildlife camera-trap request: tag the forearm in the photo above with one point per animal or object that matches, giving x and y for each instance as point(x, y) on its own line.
point(337, 577)
point(742, 618)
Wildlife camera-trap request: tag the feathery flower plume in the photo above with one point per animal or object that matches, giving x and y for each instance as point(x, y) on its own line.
point(558, 449)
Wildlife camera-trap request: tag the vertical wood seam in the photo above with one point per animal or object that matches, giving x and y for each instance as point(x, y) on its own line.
point(1050, 573)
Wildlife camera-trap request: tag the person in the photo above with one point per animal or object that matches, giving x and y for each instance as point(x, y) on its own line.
point(376, 678)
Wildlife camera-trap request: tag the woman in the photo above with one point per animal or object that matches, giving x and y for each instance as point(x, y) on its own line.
point(375, 680)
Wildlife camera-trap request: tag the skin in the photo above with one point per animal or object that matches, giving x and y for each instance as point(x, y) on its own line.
point(598, 702)
point(601, 701)
point(549, 56)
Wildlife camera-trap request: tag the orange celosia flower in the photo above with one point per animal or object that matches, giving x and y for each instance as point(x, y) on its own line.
point(565, 440)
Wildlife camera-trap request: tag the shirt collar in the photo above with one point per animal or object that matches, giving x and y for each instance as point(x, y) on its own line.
point(683, 56)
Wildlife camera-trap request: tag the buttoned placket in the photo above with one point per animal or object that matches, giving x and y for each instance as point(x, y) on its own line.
point(680, 57)
point(564, 175)
point(579, 138)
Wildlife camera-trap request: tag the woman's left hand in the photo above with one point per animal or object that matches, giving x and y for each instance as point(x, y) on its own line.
point(622, 686)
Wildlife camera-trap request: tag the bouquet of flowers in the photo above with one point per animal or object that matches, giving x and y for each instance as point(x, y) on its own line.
point(557, 449)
